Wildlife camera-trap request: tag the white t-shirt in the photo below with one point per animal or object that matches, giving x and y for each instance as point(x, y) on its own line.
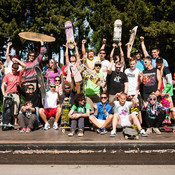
point(132, 80)
point(8, 69)
point(51, 100)
point(123, 111)
point(104, 67)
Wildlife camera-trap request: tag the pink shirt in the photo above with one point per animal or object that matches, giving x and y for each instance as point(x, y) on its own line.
point(10, 80)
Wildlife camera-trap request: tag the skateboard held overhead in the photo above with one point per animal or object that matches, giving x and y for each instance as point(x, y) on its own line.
point(117, 31)
point(132, 37)
point(69, 34)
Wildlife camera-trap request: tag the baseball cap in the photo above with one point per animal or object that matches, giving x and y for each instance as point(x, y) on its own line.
point(159, 59)
point(15, 56)
point(137, 51)
point(97, 62)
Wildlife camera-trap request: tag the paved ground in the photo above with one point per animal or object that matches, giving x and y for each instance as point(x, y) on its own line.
point(86, 169)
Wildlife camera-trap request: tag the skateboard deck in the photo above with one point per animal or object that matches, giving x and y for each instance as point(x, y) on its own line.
point(69, 34)
point(117, 31)
point(32, 36)
point(41, 82)
point(89, 74)
point(8, 111)
point(65, 120)
point(132, 37)
point(130, 133)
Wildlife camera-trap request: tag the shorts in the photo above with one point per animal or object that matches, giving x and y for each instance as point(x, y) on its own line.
point(16, 102)
point(50, 112)
point(124, 121)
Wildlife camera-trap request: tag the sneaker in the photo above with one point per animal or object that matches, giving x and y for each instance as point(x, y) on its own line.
point(28, 130)
point(113, 133)
point(143, 133)
point(55, 126)
point(149, 131)
point(71, 133)
point(157, 131)
point(103, 131)
point(23, 130)
point(99, 131)
point(46, 126)
point(80, 133)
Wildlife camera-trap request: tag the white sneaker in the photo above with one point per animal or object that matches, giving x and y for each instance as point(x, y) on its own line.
point(113, 133)
point(55, 126)
point(157, 131)
point(143, 133)
point(46, 126)
point(149, 131)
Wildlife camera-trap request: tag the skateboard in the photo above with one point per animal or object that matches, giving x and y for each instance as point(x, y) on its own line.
point(8, 111)
point(132, 37)
point(41, 82)
point(65, 120)
point(135, 110)
point(117, 31)
point(130, 133)
point(32, 36)
point(69, 34)
point(166, 126)
point(89, 74)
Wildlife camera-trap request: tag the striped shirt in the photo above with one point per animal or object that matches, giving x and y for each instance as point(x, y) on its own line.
point(29, 74)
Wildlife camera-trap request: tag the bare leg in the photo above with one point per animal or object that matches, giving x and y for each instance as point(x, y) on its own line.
point(42, 115)
point(93, 119)
point(108, 120)
point(133, 119)
point(58, 114)
point(115, 121)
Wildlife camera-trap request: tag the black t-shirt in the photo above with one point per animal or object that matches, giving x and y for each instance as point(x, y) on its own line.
point(116, 82)
point(71, 95)
point(150, 81)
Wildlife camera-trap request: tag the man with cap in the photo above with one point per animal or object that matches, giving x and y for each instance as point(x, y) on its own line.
point(154, 51)
point(50, 108)
point(92, 90)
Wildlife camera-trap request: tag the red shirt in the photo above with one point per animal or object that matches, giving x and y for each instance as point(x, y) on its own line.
point(10, 80)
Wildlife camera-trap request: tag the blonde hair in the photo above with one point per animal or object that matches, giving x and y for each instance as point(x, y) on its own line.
point(153, 95)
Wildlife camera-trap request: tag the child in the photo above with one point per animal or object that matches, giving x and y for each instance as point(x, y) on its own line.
point(102, 116)
point(154, 114)
point(27, 117)
point(79, 110)
point(123, 117)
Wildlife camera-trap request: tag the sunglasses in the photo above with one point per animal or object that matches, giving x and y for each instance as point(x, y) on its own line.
point(152, 99)
point(66, 87)
point(31, 88)
point(98, 65)
point(32, 55)
point(103, 97)
point(118, 67)
point(146, 61)
point(52, 86)
point(57, 80)
point(102, 53)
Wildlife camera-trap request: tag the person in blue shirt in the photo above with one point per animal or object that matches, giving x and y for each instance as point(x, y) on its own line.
point(154, 52)
point(102, 116)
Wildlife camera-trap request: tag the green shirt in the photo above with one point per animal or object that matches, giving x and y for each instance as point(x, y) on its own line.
point(92, 88)
point(81, 108)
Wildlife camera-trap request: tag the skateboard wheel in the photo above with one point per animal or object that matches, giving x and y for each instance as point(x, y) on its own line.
point(63, 130)
point(137, 137)
point(126, 137)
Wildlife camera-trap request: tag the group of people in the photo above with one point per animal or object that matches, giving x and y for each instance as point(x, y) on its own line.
point(140, 95)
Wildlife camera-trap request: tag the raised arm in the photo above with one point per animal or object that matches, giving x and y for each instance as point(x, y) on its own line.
point(128, 50)
point(67, 54)
point(2, 67)
point(77, 53)
point(143, 47)
point(121, 53)
point(83, 49)
point(21, 63)
point(112, 51)
point(103, 46)
point(7, 52)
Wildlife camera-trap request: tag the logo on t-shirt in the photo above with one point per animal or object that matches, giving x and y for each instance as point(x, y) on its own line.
point(117, 79)
point(149, 79)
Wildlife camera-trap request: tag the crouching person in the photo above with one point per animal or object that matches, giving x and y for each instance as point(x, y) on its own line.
point(102, 117)
point(79, 111)
point(27, 117)
point(122, 116)
point(50, 108)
